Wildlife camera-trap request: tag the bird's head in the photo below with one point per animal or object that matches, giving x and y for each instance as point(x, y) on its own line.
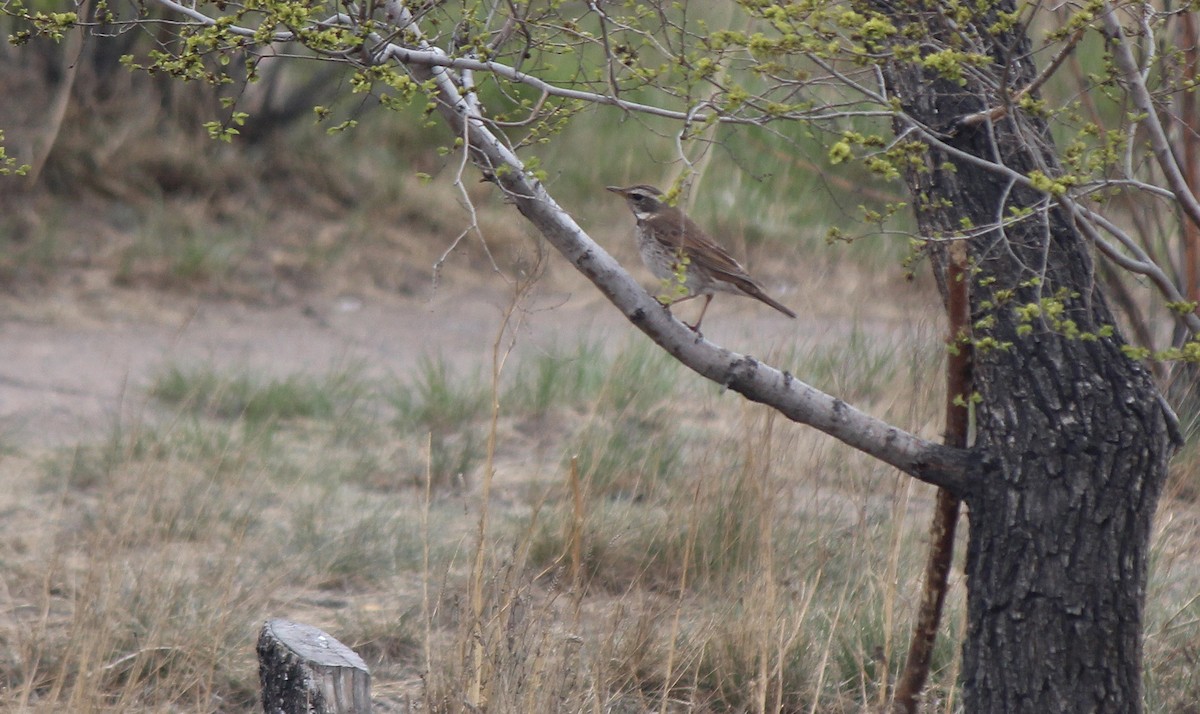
point(643, 200)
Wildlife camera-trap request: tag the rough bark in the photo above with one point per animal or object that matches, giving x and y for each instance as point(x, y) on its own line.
point(302, 670)
point(1074, 439)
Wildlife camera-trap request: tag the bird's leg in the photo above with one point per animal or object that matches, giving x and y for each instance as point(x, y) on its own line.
point(696, 327)
point(667, 301)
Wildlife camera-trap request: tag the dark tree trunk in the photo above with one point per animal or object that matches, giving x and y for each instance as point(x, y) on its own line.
point(1074, 435)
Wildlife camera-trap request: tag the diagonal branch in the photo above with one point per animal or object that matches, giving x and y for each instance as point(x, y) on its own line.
point(947, 467)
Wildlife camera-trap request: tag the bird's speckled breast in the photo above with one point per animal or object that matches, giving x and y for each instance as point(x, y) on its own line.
point(661, 258)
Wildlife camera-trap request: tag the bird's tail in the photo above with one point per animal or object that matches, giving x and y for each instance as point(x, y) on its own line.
point(757, 294)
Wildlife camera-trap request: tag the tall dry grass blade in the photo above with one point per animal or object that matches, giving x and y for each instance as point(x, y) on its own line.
point(688, 549)
point(759, 457)
point(502, 348)
point(575, 537)
point(37, 636)
point(823, 667)
point(426, 615)
point(955, 667)
point(788, 640)
point(890, 596)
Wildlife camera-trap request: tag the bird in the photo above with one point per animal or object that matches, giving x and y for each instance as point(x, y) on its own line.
point(684, 257)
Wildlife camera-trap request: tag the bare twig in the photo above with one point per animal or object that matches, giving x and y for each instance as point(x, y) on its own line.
point(1001, 110)
point(1143, 101)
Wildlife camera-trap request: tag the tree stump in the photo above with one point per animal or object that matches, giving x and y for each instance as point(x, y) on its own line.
point(302, 670)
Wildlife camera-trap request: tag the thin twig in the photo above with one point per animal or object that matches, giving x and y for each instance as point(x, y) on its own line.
point(1143, 101)
point(1000, 110)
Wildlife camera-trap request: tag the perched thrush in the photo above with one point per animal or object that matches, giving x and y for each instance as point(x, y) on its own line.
point(684, 257)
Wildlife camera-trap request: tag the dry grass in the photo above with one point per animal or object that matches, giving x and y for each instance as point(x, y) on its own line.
point(632, 540)
point(140, 568)
point(764, 570)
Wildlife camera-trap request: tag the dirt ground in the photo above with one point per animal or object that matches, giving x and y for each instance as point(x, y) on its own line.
point(77, 358)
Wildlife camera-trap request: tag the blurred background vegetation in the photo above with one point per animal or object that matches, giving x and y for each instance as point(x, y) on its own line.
point(125, 179)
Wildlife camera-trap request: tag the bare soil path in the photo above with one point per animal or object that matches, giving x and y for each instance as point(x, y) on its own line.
point(74, 362)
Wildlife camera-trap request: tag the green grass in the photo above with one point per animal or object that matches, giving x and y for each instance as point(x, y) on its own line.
point(859, 369)
point(180, 246)
point(628, 456)
point(445, 411)
point(203, 392)
point(631, 443)
point(558, 378)
point(437, 400)
point(356, 553)
point(31, 250)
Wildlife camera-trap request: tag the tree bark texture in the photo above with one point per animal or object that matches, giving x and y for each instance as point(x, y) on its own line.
point(1073, 435)
point(302, 670)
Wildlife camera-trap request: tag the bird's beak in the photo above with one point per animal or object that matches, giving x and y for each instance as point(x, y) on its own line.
point(615, 189)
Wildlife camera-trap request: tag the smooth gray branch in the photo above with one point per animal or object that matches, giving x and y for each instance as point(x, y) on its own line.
point(928, 461)
point(942, 466)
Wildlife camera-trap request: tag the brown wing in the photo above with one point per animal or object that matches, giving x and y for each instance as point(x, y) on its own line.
point(678, 231)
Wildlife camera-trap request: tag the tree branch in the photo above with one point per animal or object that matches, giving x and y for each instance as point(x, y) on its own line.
point(942, 466)
point(945, 467)
point(1000, 110)
point(949, 468)
point(435, 57)
point(1141, 263)
point(1144, 102)
point(945, 519)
